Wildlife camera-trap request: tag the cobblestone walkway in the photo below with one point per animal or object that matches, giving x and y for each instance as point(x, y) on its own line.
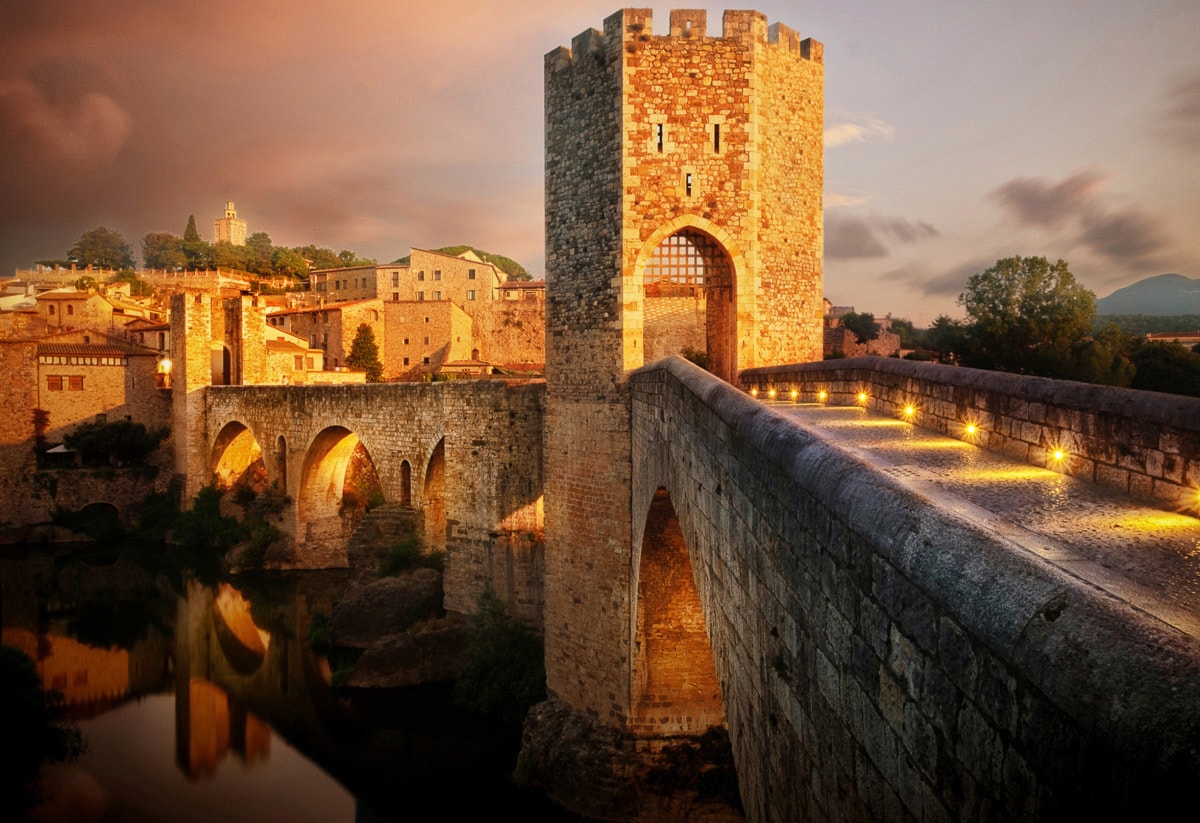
point(1143, 554)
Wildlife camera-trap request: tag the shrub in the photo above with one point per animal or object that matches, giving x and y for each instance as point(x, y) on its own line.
point(505, 673)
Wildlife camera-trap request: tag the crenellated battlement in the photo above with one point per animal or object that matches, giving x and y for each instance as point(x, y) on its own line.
point(632, 26)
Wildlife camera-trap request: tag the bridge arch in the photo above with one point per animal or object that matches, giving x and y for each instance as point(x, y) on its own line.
point(332, 465)
point(674, 686)
point(694, 291)
point(434, 498)
point(236, 456)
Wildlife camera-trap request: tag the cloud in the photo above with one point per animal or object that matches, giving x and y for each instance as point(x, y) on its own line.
point(1040, 202)
point(1180, 122)
point(949, 283)
point(85, 132)
point(864, 129)
point(849, 237)
point(1127, 235)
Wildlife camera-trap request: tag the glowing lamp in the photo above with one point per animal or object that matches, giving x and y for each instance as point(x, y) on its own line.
point(164, 366)
point(771, 394)
point(754, 392)
point(862, 397)
point(822, 395)
point(794, 394)
point(1059, 454)
point(910, 410)
point(970, 429)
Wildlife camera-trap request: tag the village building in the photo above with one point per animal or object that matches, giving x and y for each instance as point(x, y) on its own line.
point(230, 228)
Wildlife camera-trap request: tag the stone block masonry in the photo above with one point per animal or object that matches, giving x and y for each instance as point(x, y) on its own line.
point(881, 658)
point(1142, 443)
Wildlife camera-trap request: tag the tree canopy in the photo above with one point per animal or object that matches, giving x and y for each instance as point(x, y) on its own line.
point(163, 250)
point(364, 354)
point(863, 325)
point(103, 248)
point(196, 250)
point(1024, 314)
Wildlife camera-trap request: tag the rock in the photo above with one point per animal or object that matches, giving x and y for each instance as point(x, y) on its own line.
point(385, 607)
point(429, 652)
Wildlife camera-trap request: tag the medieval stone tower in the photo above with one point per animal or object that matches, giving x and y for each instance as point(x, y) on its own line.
point(684, 174)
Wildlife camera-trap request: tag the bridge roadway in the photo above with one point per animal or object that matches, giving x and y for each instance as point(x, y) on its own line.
point(1140, 553)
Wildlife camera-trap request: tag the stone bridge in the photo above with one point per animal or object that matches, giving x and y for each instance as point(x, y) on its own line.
point(467, 455)
point(880, 644)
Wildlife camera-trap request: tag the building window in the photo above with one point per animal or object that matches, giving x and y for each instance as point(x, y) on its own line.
point(54, 383)
point(470, 294)
point(470, 274)
point(426, 340)
point(426, 319)
point(437, 275)
point(659, 128)
point(299, 362)
point(395, 297)
point(421, 275)
point(688, 183)
point(70, 309)
point(437, 295)
point(426, 360)
point(420, 295)
point(717, 137)
point(75, 382)
point(406, 341)
point(52, 308)
point(395, 279)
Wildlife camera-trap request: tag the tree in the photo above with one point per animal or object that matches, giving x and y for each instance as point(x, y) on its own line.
point(85, 282)
point(1104, 358)
point(1024, 314)
point(863, 325)
point(364, 354)
point(197, 252)
point(163, 250)
point(137, 288)
point(259, 253)
point(288, 263)
point(948, 337)
point(1166, 367)
point(103, 248)
point(228, 256)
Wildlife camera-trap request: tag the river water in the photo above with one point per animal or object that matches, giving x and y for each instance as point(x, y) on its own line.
point(200, 698)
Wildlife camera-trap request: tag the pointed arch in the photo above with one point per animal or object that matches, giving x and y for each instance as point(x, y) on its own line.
point(675, 306)
point(675, 690)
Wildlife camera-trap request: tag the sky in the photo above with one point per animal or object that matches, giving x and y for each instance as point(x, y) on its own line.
point(956, 133)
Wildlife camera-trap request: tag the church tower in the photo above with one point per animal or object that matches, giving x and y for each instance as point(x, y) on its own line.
point(230, 228)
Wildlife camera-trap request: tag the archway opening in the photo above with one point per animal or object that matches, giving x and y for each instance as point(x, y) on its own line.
point(237, 459)
point(222, 366)
point(281, 463)
point(690, 305)
point(338, 480)
point(675, 687)
point(405, 483)
point(435, 499)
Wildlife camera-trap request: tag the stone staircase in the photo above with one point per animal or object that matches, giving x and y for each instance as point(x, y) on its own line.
point(376, 532)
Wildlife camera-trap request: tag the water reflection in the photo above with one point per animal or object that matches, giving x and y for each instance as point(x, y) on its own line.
point(203, 700)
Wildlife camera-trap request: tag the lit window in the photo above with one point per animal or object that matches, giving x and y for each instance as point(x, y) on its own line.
point(470, 294)
point(437, 295)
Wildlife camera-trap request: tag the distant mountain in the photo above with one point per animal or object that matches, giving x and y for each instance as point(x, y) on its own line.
point(1163, 294)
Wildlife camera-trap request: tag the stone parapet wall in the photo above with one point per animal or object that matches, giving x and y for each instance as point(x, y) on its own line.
point(880, 657)
point(1142, 443)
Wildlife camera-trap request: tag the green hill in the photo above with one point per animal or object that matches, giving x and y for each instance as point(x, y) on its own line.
point(1162, 294)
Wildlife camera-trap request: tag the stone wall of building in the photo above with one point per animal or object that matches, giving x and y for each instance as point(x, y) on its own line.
point(1142, 443)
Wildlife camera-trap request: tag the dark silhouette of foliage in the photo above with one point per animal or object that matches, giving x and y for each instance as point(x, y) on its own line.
point(1166, 367)
point(505, 674)
point(196, 250)
point(118, 443)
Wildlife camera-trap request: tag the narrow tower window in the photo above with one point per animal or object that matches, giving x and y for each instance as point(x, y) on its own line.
point(659, 130)
point(688, 183)
point(717, 137)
